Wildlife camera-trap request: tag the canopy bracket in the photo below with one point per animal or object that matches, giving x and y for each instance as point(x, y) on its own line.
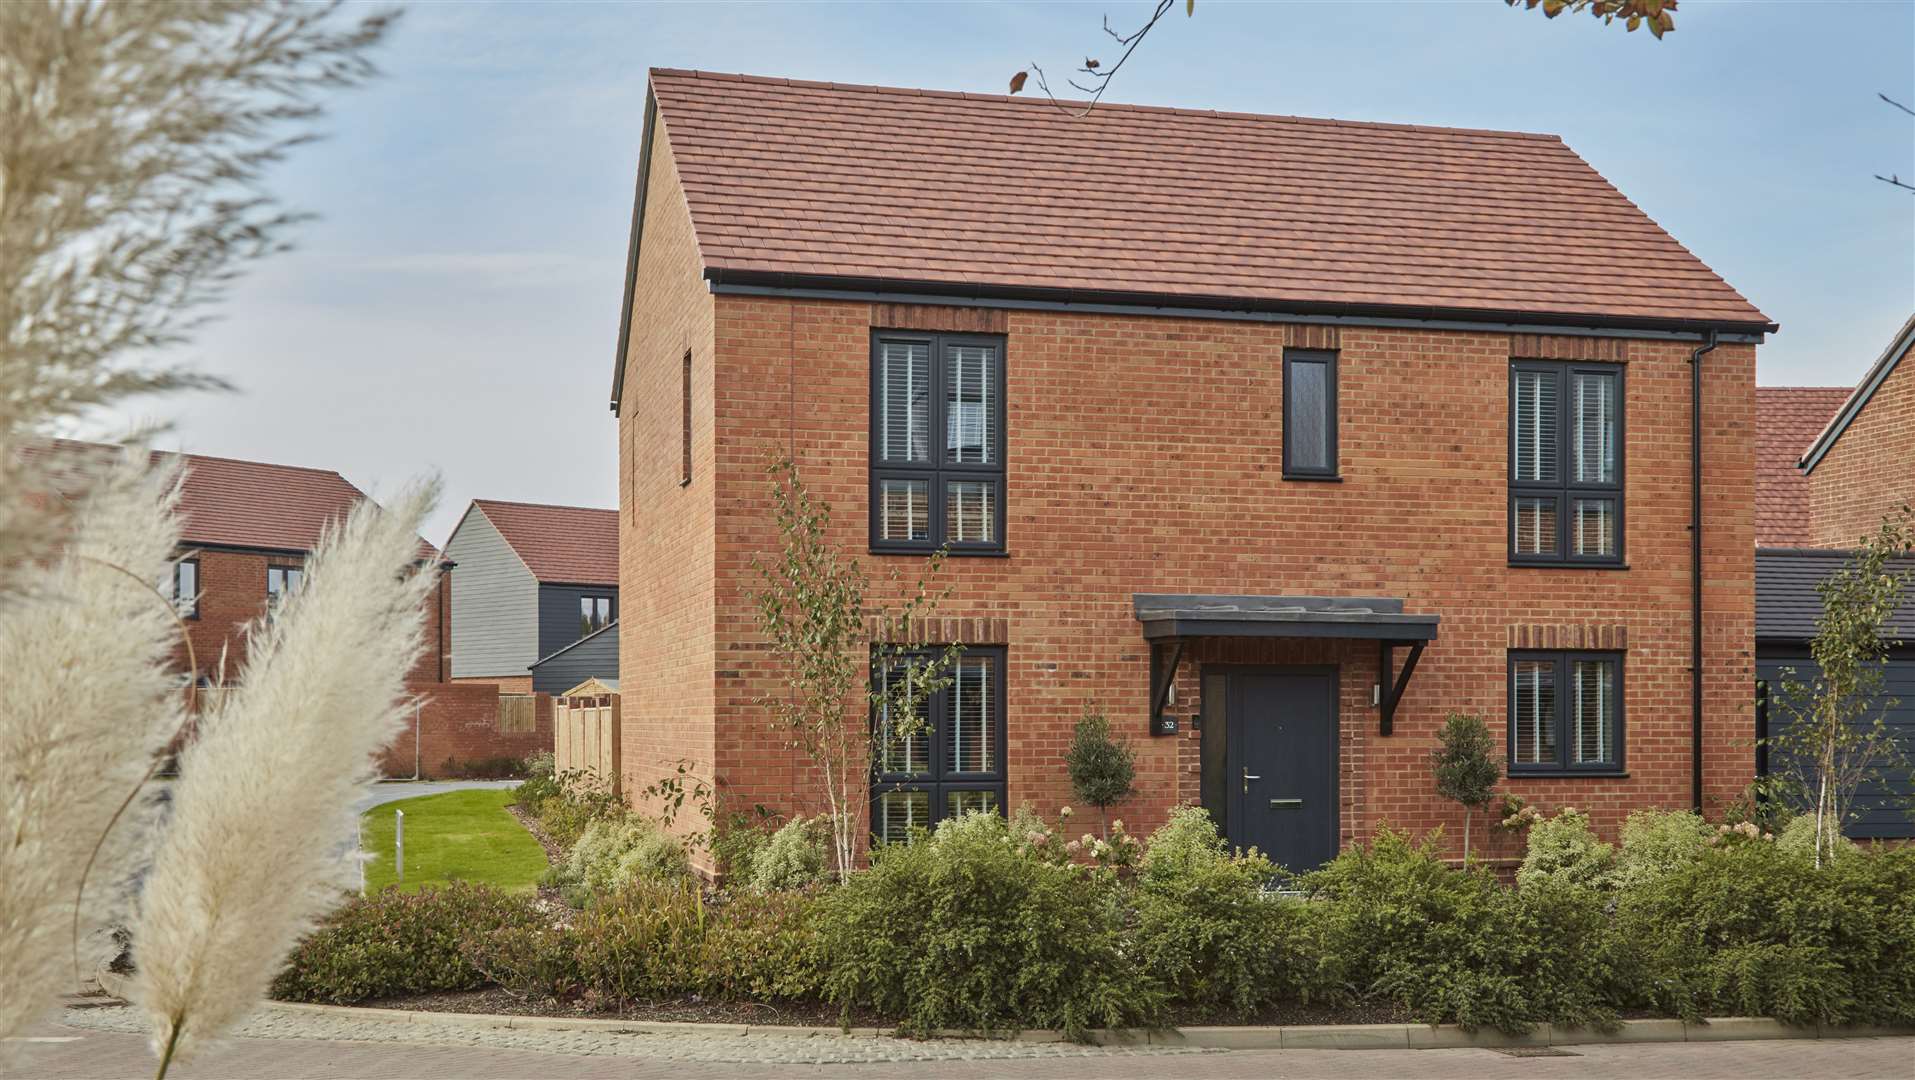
point(1162, 677)
point(1390, 691)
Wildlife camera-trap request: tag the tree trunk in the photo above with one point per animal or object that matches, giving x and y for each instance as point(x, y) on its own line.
point(1468, 813)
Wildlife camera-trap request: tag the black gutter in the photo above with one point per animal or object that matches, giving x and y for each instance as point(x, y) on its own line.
point(1695, 567)
point(631, 250)
point(902, 291)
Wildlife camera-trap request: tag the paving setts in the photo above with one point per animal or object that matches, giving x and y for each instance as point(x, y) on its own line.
point(765, 1048)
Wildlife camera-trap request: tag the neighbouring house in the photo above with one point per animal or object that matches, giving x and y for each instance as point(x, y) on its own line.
point(592, 657)
point(1831, 462)
point(532, 581)
point(247, 529)
point(1273, 439)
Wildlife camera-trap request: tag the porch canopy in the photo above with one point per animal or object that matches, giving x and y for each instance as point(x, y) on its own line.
point(1171, 619)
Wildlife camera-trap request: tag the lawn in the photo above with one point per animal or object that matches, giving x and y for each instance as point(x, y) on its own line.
point(457, 836)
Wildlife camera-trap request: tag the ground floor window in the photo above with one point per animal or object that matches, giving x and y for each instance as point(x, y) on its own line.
point(954, 762)
point(1565, 712)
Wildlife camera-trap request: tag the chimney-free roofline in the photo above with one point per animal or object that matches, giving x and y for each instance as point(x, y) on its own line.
point(1878, 373)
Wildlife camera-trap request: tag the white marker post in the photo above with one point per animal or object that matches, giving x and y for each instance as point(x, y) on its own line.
point(399, 845)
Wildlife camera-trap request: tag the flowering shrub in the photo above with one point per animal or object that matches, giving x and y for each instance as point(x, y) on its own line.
point(401, 943)
point(979, 927)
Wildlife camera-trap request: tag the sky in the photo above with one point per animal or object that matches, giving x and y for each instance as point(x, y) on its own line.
point(454, 307)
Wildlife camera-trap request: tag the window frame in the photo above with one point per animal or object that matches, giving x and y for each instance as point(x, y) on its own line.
point(611, 611)
point(1565, 661)
point(1328, 358)
point(685, 421)
point(274, 598)
point(936, 471)
point(1565, 489)
point(936, 781)
point(193, 611)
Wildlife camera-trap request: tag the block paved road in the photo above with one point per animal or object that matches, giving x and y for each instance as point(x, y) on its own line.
point(74, 1052)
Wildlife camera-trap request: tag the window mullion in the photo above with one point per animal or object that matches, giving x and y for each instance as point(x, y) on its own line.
point(1565, 708)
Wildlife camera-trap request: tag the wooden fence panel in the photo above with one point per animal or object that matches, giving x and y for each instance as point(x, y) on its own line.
point(585, 737)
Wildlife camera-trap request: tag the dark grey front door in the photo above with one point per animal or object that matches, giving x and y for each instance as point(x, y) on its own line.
point(1281, 764)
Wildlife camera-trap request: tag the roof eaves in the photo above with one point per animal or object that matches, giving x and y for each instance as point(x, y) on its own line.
point(639, 193)
point(1877, 374)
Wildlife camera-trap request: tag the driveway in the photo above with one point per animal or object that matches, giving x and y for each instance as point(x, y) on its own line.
point(395, 790)
point(57, 1050)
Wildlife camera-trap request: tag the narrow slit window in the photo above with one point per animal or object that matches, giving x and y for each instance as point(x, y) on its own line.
point(1309, 414)
point(685, 421)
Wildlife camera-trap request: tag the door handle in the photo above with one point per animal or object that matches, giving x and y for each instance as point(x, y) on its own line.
point(1247, 777)
point(1286, 804)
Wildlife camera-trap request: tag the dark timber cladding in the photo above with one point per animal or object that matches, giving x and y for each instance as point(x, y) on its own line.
point(1171, 618)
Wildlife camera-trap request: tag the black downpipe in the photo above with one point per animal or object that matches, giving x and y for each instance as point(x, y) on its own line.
point(1695, 567)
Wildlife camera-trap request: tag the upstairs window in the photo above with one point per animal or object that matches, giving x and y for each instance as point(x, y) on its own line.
point(1565, 712)
point(953, 762)
point(281, 581)
point(186, 588)
point(937, 443)
point(1309, 414)
point(1566, 464)
point(595, 613)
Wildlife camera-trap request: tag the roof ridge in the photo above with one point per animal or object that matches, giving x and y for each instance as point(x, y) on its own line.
point(971, 95)
point(1825, 389)
point(544, 506)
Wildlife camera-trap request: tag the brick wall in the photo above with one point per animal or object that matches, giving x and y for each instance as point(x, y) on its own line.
point(1871, 468)
point(459, 724)
point(1144, 456)
point(666, 537)
point(507, 684)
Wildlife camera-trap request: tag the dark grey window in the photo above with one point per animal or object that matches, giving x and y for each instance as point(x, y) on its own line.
point(595, 613)
point(1309, 414)
point(186, 588)
point(281, 581)
point(954, 762)
point(1565, 464)
point(1565, 712)
point(937, 442)
point(685, 421)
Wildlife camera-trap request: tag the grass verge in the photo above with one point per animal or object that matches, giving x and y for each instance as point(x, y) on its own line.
point(457, 836)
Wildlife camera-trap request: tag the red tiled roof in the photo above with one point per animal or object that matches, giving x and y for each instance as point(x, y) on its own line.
point(251, 504)
point(576, 545)
point(825, 179)
point(1787, 420)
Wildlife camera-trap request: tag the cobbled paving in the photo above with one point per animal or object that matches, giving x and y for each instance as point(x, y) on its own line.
point(768, 1048)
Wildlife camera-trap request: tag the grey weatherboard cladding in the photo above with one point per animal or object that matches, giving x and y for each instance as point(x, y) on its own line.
point(590, 657)
point(495, 603)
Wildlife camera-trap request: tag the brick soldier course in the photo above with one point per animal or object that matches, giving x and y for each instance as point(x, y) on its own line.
point(1144, 452)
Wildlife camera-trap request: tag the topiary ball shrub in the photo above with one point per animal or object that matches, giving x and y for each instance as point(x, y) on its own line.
point(970, 929)
point(1205, 926)
point(396, 943)
point(793, 857)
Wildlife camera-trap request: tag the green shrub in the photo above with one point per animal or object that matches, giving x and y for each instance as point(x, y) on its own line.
point(1102, 769)
point(656, 941)
point(1659, 842)
point(794, 856)
point(737, 836)
point(1392, 921)
point(1564, 848)
point(613, 852)
point(971, 929)
point(569, 803)
point(1797, 838)
point(395, 943)
point(1205, 927)
point(540, 783)
point(1754, 929)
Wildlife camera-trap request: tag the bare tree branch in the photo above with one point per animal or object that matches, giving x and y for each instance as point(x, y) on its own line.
point(1895, 179)
point(1097, 77)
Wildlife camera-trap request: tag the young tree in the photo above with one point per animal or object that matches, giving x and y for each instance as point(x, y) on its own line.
point(133, 139)
point(1102, 769)
point(1839, 736)
point(849, 692)
point(1465, 766)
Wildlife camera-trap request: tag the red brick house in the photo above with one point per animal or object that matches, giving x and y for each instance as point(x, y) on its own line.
point(1275, 440)
point(1831, 462)
point(247, 529)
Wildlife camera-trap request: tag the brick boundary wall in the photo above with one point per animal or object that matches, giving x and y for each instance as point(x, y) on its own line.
point(461, 721)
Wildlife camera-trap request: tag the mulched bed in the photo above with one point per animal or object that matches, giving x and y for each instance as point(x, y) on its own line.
point(554, 853)
point(684, 1010)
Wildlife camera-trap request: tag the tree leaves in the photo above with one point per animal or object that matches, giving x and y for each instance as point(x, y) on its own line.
point(1657, 15)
